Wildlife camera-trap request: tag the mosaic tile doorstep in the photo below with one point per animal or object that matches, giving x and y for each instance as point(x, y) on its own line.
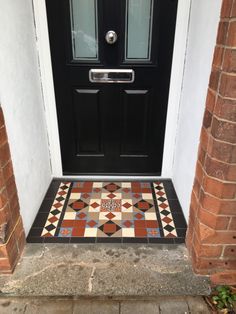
point(120, 212)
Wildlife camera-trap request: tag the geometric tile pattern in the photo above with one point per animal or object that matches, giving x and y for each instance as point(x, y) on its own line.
point(56, 210)
point(167, 220)
point(108, 212)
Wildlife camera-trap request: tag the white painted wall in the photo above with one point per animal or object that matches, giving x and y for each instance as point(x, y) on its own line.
point(204, 19)
point(22, 103)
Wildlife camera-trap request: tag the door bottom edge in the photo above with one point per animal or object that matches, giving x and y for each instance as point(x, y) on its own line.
point(113, 177)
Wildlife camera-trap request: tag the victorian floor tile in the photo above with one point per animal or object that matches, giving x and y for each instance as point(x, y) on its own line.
point(116, 212)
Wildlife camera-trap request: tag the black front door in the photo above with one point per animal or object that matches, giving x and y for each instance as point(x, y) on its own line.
point(111, 65)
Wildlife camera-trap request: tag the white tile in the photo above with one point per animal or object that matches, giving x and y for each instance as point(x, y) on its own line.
point(75, 196)
point(97, 184)
point(90, 232)
point(147, 196)
point(127, 210)
point(126, 184)
point(70, 215)
point(150, 216)
point(128, 232)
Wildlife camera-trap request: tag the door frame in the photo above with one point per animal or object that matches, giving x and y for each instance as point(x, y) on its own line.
point(177, 71)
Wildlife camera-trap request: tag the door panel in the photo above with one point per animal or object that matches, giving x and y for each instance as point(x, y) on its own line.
point(88, 127)
point(135, 105)
point(111, 128)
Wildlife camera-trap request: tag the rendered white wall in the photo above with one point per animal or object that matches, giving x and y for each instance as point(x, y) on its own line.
point(22, 103)
point(204, 19)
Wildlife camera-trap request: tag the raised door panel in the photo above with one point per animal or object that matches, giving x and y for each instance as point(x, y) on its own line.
point(87, 122)
point(135, 123)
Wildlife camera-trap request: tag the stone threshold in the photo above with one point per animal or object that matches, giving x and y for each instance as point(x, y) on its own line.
point(161, 305)
point(105, 271)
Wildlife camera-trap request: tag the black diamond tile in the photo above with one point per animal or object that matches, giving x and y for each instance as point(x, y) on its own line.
point(169, 228)
point(161, 199)
point(60, 198)
point(50, 227)
point(55, 212)
point(165, 212)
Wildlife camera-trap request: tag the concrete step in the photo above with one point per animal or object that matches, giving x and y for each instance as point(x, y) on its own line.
point(163, 305)
point(104, 270)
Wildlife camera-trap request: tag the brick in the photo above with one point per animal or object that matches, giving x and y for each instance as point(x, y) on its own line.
point(216, 205)
point(201, 155)
point(229, 64)
point(3, 136)
point(225, 109)
point(224, 278)
point(194, 203)
point(12, 251)
point(221, 237)
point(1, 118)
point(207, 119)
point(213, 221)
point(2, 181)
point(233, 11)
point(14, 216)
point(225, 152)
point(14, 203)
point(210, 101)
point(203, 232)
point(222, 33)
point(231, 38)
point(232, 225)
point(11, 187)
point(211, 264)
point(199, 172)
point(230, 251)
point(219, 189)
point(203, 250)
point(218, 57)
point(204, 137)
point(226, 8)
point(3, 198)
point(228, 85)
point(7, 171)
point(224, 131)
point(4, 265)
point(220, 170)
point(4, 154)
point(214, 79)
point(3, 217)
point(196, 187)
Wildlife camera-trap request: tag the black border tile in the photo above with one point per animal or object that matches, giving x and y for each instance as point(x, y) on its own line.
point(56, 240)
point(82, 240)
point(35, 232)
point(170, 190)
point(179, 221)
point(181, 232)
point(162, 240)
point(52, 190)
point(175, 206)
point(46, 206)
point(134, 240)
point(34, 239)
point(109, 240)
point(179, 240)
point(40, 220)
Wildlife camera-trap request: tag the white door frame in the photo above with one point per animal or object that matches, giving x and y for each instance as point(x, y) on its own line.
point(177, 71)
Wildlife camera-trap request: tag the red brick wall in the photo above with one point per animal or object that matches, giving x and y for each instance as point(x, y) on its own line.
point(12, 241)
point(211, 236)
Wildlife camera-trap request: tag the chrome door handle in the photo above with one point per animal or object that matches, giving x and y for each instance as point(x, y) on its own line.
point(111, 37)
point(111, 76)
